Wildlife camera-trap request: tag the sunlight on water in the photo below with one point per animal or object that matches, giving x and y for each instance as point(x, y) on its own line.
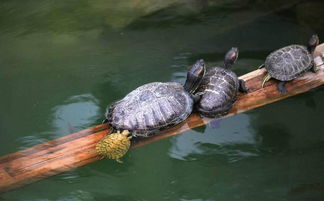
point(78, 110)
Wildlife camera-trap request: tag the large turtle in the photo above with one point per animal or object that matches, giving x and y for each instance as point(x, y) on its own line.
point(290, 62)
point(151, 108)
point(219, 87)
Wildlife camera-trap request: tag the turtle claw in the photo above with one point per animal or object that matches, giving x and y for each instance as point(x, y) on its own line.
point(119, 161)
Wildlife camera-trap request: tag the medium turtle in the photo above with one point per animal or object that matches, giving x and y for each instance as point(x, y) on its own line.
point(153, 107)
point(219, 87)
point(290, 62)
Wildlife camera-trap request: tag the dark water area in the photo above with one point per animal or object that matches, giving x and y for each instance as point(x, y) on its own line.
point(62, 63)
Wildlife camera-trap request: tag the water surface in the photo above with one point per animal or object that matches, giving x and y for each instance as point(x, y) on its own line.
point(62, 63)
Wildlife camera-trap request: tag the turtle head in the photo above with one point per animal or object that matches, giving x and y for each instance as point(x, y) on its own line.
point(231, 57)
point(194, 76)
point(312, 43)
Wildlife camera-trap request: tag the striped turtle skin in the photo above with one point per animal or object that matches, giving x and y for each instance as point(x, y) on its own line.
point(289, 62)
point(114, 146)
point(218, 88)
point(150, 108)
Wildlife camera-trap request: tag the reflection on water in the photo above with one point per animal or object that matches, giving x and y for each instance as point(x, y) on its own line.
point(69, 177)
point(179, 77)
point(231, 142)
point(181, 60)
point(78, 195)
point(28, 141)
point(75, 114)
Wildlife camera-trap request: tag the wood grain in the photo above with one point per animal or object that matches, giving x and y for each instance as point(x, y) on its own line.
point(75, 150)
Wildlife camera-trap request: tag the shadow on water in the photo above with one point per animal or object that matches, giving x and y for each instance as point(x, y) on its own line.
point(309, 99)
point(273, 138)
point(285, 135)
point(309, 191)
point(103, 196)
point(200, 129)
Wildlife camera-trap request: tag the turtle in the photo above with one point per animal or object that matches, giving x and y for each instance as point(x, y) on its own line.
point(290, 62)
point(219, 87)
point(114, 146)
point(153, 107)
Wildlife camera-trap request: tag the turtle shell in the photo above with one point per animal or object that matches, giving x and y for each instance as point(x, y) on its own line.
point(288, 62)
point(218, 88)
point(113, 146)
point(151, 107)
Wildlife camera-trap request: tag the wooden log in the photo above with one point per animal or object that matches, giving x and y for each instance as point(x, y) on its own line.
point(74, 150)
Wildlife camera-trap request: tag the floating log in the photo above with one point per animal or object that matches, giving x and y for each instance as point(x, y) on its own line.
point(74, 150)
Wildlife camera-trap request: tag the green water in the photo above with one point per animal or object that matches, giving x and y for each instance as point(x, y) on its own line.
point(62, 63)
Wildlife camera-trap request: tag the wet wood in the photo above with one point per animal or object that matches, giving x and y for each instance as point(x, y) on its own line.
point(75, 150)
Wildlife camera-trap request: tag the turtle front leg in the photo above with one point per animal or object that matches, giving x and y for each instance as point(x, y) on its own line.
point(242, 87)
point(281, 87)
point(266, 79)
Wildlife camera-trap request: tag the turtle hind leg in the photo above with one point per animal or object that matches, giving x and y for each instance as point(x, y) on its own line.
point(281, 87)
point(265, 79)
point(242, 87)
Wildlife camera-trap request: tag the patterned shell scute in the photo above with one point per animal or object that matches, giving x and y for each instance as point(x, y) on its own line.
point(220, 87)
point(152, 106)
point(288, 62)
point(113, 146)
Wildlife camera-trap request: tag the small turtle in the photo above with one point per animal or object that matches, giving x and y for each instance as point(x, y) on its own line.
point(153, 107)
point(219, 87)
point(114, 146)
point(289, 63)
